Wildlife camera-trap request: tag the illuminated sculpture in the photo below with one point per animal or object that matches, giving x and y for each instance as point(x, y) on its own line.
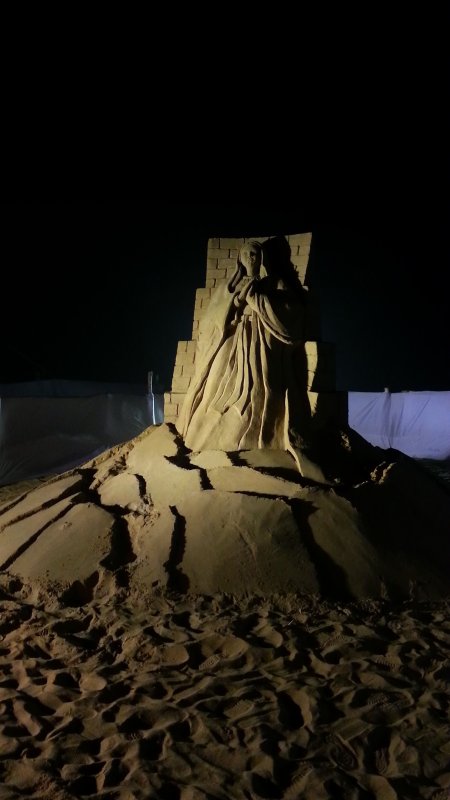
point(249, 386)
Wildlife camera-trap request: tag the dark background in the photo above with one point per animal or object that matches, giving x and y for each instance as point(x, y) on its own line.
point(104, 292)
point(348, 140)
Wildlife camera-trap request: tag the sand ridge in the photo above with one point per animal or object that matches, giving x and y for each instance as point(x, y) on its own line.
point(154, 515)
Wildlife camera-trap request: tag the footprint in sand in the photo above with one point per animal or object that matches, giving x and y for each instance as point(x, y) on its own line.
point(293, 792)
point(337, 640)
point(209, 663)
point(174, 655)
point(239, 709)
point(26, 719)
point(91, 682)
point(390, 662)
point(269, 636)
point(343, 756)
point(382, 761)
point(377, 698)
point(391, 711)
point(233, 647)
point(192, 690)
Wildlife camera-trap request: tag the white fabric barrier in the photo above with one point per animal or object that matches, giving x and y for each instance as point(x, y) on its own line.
point(44, 435)
point(416, 423)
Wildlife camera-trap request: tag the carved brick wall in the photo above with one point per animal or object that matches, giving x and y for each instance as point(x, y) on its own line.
point(220, 266)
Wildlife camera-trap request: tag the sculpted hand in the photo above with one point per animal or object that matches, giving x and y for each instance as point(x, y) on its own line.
point(246, 287)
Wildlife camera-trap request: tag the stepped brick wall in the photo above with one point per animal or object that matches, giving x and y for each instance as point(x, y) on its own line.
point(220, 266)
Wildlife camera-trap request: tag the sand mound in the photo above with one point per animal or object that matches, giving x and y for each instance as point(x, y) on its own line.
point(113, 685)
point(151, 515)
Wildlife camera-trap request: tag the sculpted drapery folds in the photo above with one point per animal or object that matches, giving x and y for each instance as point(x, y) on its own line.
point(249, 387)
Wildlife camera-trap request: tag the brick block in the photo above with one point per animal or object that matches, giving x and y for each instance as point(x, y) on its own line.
point(300, 239)
point(216, 253)
point(300, 262)
point(231, 243)
point(220, 274)
point(213, 244)
point(186, 358)
point(180, 383)
point(182, 347)
point(178, 397)
point(226, 263)
point(202, 293)
point(205, 303)
point(188, 369)
point(311, 360)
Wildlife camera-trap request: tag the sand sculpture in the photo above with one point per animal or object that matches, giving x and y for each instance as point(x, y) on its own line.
point(249, 488)
point(249, 390)
point(249, 387)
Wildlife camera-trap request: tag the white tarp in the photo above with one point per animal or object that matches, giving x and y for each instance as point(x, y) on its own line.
point(42, 435)
point(417, 423)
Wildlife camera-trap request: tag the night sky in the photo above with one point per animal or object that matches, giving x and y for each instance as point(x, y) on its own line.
point(105, 292)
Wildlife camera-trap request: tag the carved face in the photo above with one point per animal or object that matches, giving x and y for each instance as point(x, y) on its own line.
point(250, 256)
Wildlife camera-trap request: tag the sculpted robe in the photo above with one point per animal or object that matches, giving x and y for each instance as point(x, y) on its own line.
point(249, 387)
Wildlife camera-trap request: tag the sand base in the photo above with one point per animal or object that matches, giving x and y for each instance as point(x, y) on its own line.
point(152, 515)
point(127, 672)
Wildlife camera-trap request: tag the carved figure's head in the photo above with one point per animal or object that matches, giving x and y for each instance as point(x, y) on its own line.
point(250, 256)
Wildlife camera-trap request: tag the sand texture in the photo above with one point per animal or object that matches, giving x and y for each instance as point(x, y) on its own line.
point(131, 696)
point(153, 515)
point(187, 626)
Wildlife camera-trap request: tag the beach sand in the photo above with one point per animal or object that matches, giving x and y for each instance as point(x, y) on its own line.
point(175, 696)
